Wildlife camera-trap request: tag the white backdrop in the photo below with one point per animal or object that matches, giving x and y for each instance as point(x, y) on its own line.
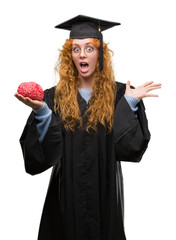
point(144, 50)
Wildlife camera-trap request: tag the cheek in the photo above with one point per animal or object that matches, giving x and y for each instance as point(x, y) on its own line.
point(94, 59)
point(75, 60)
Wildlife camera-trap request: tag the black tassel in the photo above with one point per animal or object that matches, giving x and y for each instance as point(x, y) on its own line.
point(101, 50)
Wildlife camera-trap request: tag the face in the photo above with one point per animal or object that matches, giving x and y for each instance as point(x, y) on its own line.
point(85, 56)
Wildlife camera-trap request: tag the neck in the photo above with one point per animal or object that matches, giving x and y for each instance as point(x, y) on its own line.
point(86, 82)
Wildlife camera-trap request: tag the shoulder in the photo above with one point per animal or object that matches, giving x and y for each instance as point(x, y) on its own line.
point(120, 87)
point(50, 91)
point(49, 97)
point(120, 90)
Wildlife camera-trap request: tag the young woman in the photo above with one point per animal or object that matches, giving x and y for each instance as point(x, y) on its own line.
point(84, 128)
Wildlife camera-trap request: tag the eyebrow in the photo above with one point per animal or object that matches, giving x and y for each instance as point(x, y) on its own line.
point(85, 44)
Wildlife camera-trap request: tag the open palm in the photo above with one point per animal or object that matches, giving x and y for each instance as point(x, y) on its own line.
point(34, 104)
point(143, 90)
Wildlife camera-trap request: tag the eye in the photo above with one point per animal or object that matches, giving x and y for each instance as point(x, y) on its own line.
point(89, 49)
point(76, 49)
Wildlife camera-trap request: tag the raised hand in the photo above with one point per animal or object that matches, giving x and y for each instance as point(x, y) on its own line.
point(34, 104)
point(143, 90)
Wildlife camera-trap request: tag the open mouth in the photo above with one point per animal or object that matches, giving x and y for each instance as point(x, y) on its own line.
point(84, 67)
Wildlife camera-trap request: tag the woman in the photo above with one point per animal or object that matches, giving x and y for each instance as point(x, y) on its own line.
point(84, 128)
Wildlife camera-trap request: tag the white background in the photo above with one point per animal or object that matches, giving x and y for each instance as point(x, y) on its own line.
point(144, 50)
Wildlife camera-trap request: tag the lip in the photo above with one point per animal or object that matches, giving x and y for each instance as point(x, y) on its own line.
point(84, 69)
point(83, 62)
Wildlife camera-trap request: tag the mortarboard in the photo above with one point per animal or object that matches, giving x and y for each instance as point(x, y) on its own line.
point(87, 27)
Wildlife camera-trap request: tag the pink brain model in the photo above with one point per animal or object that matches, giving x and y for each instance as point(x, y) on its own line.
point(31, 90)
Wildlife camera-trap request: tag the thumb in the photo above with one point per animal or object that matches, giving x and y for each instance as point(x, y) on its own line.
point(128, 84)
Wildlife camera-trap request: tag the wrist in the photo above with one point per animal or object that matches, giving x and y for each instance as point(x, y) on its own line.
point(39, 106)
point(136, 97)
point(133, 101)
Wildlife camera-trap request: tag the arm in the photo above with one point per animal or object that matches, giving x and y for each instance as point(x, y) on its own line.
point(132, 103)
point(131, 134)
point(40, 156)
point(43, 118)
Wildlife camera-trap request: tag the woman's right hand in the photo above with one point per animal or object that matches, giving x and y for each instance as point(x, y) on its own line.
point(34, 104)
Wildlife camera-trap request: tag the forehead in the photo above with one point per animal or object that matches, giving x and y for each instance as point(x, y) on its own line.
point(81, 42)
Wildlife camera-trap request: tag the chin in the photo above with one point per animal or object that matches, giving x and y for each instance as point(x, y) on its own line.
point(87, 74)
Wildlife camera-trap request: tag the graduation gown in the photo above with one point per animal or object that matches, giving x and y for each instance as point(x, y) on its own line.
point(85, 199)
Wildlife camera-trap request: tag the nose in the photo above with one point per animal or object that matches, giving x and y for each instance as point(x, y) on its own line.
point(82, 53)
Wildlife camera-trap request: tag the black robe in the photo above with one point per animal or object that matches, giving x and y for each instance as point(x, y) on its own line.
point(85, 194)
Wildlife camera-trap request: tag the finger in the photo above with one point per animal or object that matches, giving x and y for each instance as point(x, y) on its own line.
point(19, 97)
point(23, 99)
point(147, 83)
point(128, 84)
point(16, 95)
point(152, 88)
point(154, 85)
point(151, 95)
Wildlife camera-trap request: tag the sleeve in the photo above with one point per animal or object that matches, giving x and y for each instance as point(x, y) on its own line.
point(132, 101)
point(131, 134)
point(43, 117)
point(38, 157)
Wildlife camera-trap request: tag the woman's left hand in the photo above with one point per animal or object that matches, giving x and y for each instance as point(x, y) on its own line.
point(143, 90)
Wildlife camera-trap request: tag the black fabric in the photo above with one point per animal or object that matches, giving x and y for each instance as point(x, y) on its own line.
point(100, 37)
point(75, 24)
point(85, 194)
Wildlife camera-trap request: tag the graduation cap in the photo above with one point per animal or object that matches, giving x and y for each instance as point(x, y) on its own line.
point(87, 27)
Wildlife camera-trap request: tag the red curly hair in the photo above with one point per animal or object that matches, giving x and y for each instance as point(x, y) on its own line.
point(101, 102)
